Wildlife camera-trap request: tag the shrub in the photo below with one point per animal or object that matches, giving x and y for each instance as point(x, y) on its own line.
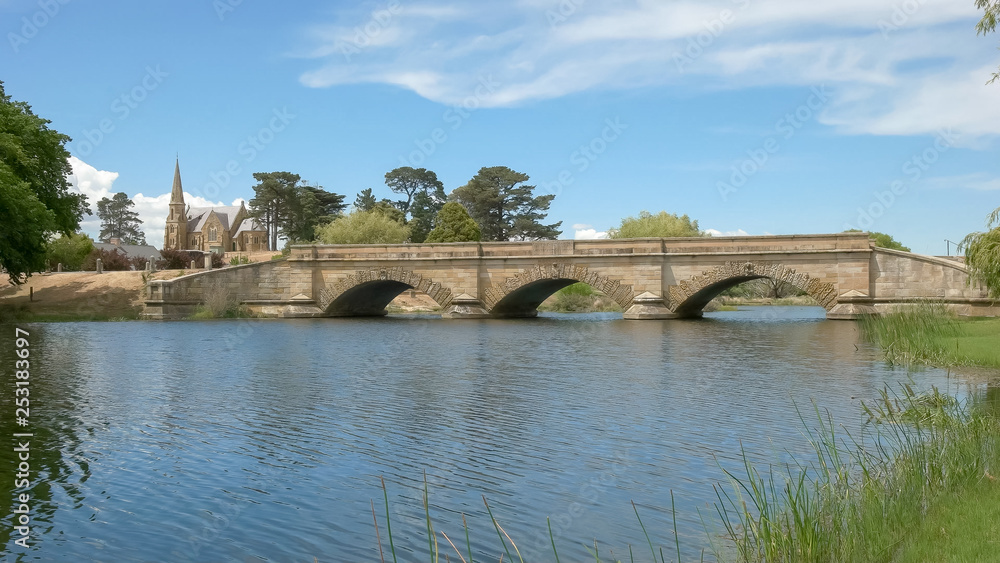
point(111, 261)
point(238, 260)
point(181, 259)
point(69, 251)
point(363, 227)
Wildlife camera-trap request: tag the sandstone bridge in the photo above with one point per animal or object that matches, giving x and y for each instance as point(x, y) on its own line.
point(648, 278)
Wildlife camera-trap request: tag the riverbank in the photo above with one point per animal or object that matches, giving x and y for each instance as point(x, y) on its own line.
point(930, 335)
point(115, 296)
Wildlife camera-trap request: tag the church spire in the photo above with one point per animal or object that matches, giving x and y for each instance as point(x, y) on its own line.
point(177, 194)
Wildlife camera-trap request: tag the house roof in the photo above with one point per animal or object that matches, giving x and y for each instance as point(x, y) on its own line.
point(131, 250)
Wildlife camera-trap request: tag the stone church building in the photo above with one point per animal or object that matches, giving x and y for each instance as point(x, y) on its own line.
point(210, 229)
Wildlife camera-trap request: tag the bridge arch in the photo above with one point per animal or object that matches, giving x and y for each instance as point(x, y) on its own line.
point(368, 292)
point(688, 298)
point(521, 294)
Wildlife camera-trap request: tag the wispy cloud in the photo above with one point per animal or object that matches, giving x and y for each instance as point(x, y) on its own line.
point(977, 182)
point(874, 54)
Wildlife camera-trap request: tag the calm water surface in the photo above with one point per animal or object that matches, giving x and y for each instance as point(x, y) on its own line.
point(265, 440)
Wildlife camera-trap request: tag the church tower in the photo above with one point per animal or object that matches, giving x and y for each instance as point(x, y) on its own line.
point(175, 235)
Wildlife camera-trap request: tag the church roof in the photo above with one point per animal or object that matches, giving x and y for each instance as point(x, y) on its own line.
point(198, 215)
point(249, 224)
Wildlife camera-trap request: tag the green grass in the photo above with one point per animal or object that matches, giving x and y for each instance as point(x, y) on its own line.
point(929, 334)
point(579, 298)
point(961, 527)
point(867, 502)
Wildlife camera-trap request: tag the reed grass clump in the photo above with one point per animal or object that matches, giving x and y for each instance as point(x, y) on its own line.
point(912, 335)
point(861, 501)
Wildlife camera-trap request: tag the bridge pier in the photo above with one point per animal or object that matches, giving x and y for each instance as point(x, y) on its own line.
point(649, 306)
point(465, 306)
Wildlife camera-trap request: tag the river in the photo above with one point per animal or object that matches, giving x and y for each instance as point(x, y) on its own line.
point(264, 440)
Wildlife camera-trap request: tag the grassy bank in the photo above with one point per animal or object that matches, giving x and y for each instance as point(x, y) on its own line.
point(930, 335)
point(579, 298)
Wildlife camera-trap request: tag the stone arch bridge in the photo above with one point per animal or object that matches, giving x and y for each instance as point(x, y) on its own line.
point(649, 278)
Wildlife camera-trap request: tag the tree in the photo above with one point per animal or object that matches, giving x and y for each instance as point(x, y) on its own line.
point(882, 240)
point(453, 224)
point(661, 225)
point(70, 251)
point(292, 210)
point(306, 209)
point(271, 198)
point(424, 197)
point(988, 24)
point(365, 200)
point(504, 207)
point(119, 221)
point(363, 227)
point(35, 201)
point(982, 255)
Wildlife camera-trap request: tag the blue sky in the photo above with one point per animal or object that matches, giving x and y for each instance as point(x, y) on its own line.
point(751, 116)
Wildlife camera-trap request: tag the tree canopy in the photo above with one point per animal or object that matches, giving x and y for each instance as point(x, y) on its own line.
point(424, 197)
point(988, 24)
point(505, 207)
point(454, 224)
point(882, 240)
point(661, 225)
point(292, 210)
point(35, 201)
point(982, 254)
point(119, 221)
point(363, 227)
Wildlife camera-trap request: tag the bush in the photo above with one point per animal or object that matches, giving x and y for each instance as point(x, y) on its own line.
point(138, 262)
point(663, 224)
point(181, 259)
point(363, 227)
point(453, 224)
point(111, 261)
point(238, 260)
point(69, 251)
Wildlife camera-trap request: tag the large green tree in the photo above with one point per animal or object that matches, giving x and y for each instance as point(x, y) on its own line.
point(660, 225)
point(505, 207)
point(35, 201)
point(286, 208)
point(363, 227)
point(119, 221)
point(365, 200)
point(424, 197)
point(982, 254)
point(988, 24)
point(453, 224)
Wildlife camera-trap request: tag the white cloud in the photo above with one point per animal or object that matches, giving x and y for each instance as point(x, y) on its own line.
point(978, 182)
point(897, 68)
point(588, 234)
point(718, 233)
point(152, 210)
